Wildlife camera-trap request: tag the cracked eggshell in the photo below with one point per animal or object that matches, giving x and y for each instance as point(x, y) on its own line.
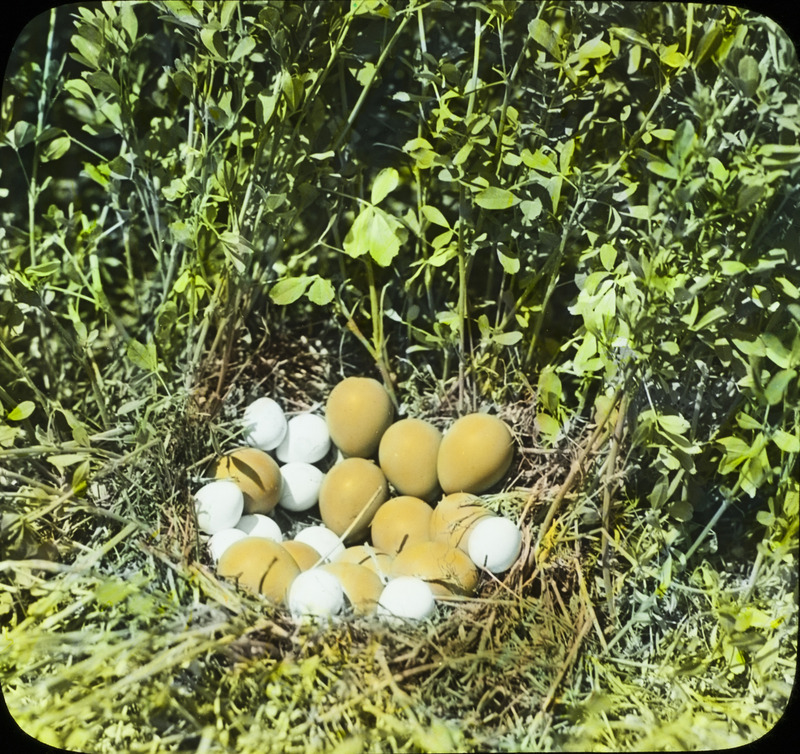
point(307, 440)
point(475, 454)
point(454, 518)
point(407, 598)
point(259, 525)
point(218, 505)
point(301, 483)
point(362, 586)
point(257, 475)
point(259, 565)
point(351, 493)
point(265, 424)
point(447, 570)
point(358, 412)
point(401, 522)
point(408, 455)
point(495, 543)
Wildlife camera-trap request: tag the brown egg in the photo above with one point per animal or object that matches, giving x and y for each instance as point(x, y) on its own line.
point(447, 570)
point(358, 412)
point(408, 454)
point(257, 475)
point(350, 494)
point(454, 517)
point(362, 586)
point(304, 554)
point(259, 565)
point(475, 454)
point(369, 557)
point(400, 522)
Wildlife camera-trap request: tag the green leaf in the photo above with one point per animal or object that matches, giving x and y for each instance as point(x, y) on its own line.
point(142, 356)
point(509, 261)
point(779, 382)
point(213, 42)
point(732, 267)
point(786, 442)
point(21, 411)
point(62, 460)
point(711, 316)
point(321, 292)
point(673, 423)
point(377, 233)
point(594, 48)
point(547, 426)
point(495, 198)
point(288, 290)
point(543, 33)
point(776, 351)
point(434, 216)
point(385, 182)
point(789, 288)
point(682, 143)
point(129, 21)
point(243, 48)
point(664, 169)
point(508, 338)
point(538, 160)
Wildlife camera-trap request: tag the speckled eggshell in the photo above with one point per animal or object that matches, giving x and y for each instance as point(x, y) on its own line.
point(447, 570)
point(358, 412)
point(259, 565)
point(351, 493)
point(475, 454)
point(408, 454)
point(257, 475)
point(401, 522)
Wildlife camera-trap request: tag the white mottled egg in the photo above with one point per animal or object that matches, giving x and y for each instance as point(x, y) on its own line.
point(222, 540)
point(219, 505)
point(259, 525)
point(301, 483)
point(307, 439)
point(315, 594)
point(323, 540)
point(265, 424)
point(408, 598)
point(495, 543)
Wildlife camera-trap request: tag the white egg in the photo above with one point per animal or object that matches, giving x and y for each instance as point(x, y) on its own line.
point(265, 424)
point(219, 505)
point(301, 483)
point(494, 544)
point(315, 594)
point(408, 598)
point(323, 540)
point(307, 439)
point(259, 525)
point(222, 540)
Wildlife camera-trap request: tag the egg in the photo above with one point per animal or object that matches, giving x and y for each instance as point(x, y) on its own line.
point(301, 483)
point(315, 594)
point(362, 586)
point(408, 454)
point(401, 522)
point(303, 553)
point(325, 541)
point(495, 544)
point(257, 475)
point(219, 505)
point(358, 412)
point(259, 525)
point(365, 555)
point(447, 570)
point(221, 540)
point(307, 440)
point(475, 453)
point(351, 493)
point(264, 423)
point(407, 598)
point(259, 565)
point(455, 516)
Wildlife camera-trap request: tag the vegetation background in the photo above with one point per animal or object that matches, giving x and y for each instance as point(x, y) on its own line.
point(582, 216)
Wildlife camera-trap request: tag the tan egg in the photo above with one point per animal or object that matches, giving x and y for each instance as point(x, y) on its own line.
point(369, 557)
point(350, 494)
point(358, 412)
point(408, 454)
point(475, 454)
point(362, 586)
point(304, 554)
point(401, 522)
point(447, 570)
point(259, 565)
point(454, 518)
point(257, 475)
